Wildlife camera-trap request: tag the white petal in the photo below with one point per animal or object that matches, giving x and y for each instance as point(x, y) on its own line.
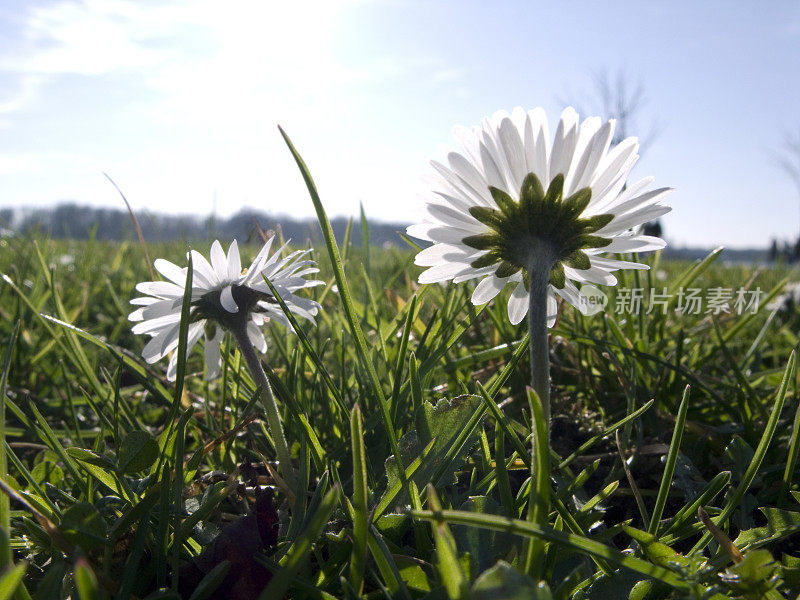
point(153, 325)
point(256, 337)
point(613, 163)
point(583, 147)
point(194, 333)
point(494, 172)
point(474, 196)
point(595, 152)
point(474, 273)
point(537, 140)
point(219, 261)
point(435, 254)
point(160, 289)
point(552, 308)
point(639, 202)
point(514, 152)
point(204, 275)
point(442, 272)
point(518, 304)
point(594, 274)
point(457, 218)
point(564, 142)
point(487, 289)
point(633, 219)
point(234, 262)
point(227, 301)
point(255, 268)
point(161, 344)
point(213, 355)
point(468, 140)
point(468, 175)
point(614, 264)
point(171, 271)
point(447, 234)
point(573, 295)
point(639, 243)
point(161, 309)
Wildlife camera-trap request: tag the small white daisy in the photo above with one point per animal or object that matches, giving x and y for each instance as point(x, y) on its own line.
point(512, 200)
point(223, 297)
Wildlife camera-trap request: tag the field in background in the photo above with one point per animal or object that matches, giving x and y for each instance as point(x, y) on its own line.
point(82, 411)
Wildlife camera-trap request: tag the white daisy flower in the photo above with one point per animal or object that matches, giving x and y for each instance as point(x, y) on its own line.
point(512, 200)
point(223, 296)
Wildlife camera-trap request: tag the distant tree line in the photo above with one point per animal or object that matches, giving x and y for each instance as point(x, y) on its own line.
point(786, 252)
point(75, 221)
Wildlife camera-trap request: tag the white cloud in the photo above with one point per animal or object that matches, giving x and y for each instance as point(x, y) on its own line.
point(28, 87)
point(20, 163)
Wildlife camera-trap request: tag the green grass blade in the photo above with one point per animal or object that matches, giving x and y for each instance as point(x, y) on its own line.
point(794, 450)
point(761, 450)
point(452, 575)
point(11, 580)
point(86, 581)
point(347, 303)
point(566, 540)
point(539, 495)
point(309, 349)
point(669, 465)
point(391, 493)
point(606, 432)
point(5, 503)
point(358, 559)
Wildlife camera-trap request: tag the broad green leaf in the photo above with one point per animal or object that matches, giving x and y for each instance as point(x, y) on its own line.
point(780, 524)
point(47, 472)
point(83, 525)
point(139, 450)
point(445, 422)
point(484, 546)
point(755, 578)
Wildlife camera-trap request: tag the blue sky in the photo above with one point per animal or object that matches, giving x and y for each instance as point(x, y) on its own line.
point(179, 101)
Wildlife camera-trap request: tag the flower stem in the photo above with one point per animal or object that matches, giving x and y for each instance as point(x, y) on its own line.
point(267, 400)
point(538, 336)
point(539, 496)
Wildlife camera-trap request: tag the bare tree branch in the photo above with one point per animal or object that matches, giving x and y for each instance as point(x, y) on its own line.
point(617, 96)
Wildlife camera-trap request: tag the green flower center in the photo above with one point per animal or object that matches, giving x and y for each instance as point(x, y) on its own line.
point(541, 226)
point(209, 306)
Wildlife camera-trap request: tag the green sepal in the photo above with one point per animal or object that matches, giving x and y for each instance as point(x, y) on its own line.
point(487, 216)
point(506, 269)
point(555, 190)
point(483, 241)
point(504, 202)
point(597, 222)
point(557, 276)
point(579, 260)
point(593, 241)
point(484, 261)
point(578, 201)
point(531, 193)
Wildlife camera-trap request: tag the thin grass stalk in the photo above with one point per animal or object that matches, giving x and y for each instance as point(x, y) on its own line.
point(669, 465)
